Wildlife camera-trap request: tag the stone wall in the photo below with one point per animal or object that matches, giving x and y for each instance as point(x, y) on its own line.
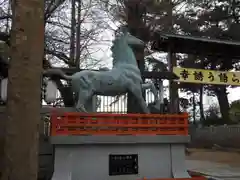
point(225, 136)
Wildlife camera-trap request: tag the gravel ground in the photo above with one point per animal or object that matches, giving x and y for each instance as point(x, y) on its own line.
point(229, 158)
point(217, 164)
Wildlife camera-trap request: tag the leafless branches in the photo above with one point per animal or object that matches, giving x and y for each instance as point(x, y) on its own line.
point(89, 23)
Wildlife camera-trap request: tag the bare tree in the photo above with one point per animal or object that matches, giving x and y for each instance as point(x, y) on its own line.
point(58, 29)
point(86, 25)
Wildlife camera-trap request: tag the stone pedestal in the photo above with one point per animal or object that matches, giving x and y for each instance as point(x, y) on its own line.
point(88, 157)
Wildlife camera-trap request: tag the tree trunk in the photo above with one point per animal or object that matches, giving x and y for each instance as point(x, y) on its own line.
point(194, 109)
point(73, 33)
point(135, 12)
point(221, 93)
point(78, 35)
point(24, 91)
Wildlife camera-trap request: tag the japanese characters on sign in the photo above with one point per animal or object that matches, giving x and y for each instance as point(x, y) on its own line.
point(207, 76)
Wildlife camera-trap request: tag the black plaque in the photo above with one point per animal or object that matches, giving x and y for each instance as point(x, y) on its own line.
point(124, 164)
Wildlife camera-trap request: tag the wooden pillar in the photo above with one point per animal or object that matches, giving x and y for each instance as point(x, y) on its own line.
point(173, 86)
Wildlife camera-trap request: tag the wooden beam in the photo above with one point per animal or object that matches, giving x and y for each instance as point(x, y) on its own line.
point(159, 75)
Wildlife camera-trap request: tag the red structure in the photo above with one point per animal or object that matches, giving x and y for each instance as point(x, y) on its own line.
point(118, 124)
point(82, 124)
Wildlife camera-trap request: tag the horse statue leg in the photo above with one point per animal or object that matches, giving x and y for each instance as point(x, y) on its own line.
point(92, 104)
point(153, 89)
point(83, 96)
point(136, 90)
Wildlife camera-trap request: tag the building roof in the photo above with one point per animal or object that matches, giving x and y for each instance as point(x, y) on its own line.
point(196, 45)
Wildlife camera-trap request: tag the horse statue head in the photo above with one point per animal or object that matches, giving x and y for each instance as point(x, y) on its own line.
point(122, 53)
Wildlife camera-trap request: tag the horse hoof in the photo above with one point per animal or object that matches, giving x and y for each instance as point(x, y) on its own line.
point(77, 110)
point(81, 110)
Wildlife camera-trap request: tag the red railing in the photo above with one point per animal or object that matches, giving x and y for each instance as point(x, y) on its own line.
point(118, 124)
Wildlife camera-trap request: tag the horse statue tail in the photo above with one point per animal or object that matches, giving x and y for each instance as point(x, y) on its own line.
point(58, 72)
